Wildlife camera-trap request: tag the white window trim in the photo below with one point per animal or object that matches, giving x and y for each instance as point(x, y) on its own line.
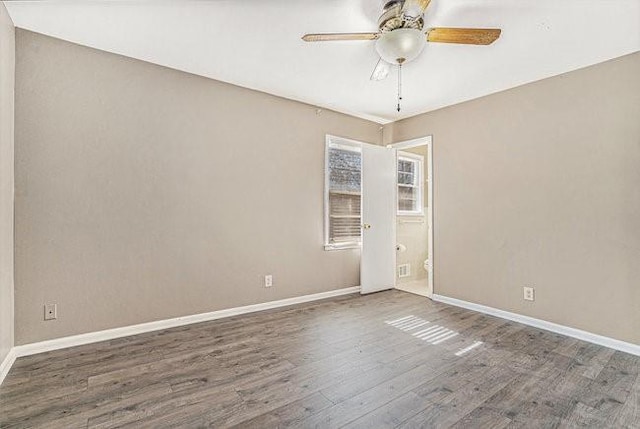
point(413, 157)
point(347, 144)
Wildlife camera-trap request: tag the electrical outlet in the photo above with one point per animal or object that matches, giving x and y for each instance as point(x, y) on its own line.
point(529, 293)
point(50, 311)
point(268, 280)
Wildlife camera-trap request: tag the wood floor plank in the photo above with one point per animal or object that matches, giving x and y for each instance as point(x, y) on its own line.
point(289, 415)
point(629, 413)
point(352, 386)
point(483, 418)
point(457, 393)
point(390, 359)
point(391, 414)
point(357, 406)
point(585, 416)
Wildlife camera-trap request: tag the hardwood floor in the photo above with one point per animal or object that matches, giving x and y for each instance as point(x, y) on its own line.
point(391, 359)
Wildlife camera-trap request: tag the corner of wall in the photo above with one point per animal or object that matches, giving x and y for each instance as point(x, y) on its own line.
point(7, 141)
point(388, 133)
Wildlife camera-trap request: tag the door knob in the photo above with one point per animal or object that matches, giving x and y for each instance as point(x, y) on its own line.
point(366, 226)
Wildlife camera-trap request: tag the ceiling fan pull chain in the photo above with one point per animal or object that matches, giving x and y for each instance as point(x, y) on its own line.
point(399, 85)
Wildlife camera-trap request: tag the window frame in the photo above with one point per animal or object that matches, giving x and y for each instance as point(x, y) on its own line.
point(419, 160)
point(346, 144)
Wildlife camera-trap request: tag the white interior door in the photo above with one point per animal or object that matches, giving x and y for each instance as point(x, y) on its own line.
point(377, 266)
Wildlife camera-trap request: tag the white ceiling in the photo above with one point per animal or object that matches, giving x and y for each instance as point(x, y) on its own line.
point(256, 44)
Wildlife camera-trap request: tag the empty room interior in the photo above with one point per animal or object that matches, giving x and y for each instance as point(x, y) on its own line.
point(320, 214)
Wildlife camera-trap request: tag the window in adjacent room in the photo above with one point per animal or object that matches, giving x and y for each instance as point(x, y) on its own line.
point(410, 191)
point(343, 193)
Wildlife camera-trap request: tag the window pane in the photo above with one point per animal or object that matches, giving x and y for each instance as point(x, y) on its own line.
point(344, 204)
point(409, 186)
point(344, 199)
point(406, 165)
point(343, 230)
point(345, 168)
point(405, 178)
point(407, 199)
point(407, 171)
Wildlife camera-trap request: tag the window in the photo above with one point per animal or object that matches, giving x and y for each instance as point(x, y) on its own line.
point(343, 193)
point(410, 193)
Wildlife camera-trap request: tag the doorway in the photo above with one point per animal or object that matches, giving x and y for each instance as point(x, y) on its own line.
point(379, 199)
point(414, 219)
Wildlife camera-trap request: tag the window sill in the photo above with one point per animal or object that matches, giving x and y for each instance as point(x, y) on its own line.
point(330, 247)
point(410, 214)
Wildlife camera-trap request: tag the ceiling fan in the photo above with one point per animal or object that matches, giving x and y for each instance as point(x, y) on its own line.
point(401, 36)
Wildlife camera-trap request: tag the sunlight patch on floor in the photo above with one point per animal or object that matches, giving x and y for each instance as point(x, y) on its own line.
point(423, 329)
point(468, 349)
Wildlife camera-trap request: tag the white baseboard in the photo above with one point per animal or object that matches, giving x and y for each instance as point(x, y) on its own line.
point(110, 334)
point(6, 364)
point(612, 343)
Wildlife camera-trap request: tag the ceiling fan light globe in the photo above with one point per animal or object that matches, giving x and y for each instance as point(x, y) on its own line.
point(400, 46)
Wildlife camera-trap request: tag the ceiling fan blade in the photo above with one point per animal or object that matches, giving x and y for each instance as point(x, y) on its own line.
point(329, 37)
point(415, 8)
point(466, 36)
point(381, 70)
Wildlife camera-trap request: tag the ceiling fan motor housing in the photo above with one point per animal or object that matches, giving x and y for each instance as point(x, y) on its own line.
point(394, 16)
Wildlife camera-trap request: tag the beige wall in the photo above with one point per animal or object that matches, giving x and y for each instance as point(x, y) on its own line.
point(7, 64)
point(540, 185)
point(144, 193)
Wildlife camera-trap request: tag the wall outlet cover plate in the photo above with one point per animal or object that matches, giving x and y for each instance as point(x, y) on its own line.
point(529, 293)
point(50, 311)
